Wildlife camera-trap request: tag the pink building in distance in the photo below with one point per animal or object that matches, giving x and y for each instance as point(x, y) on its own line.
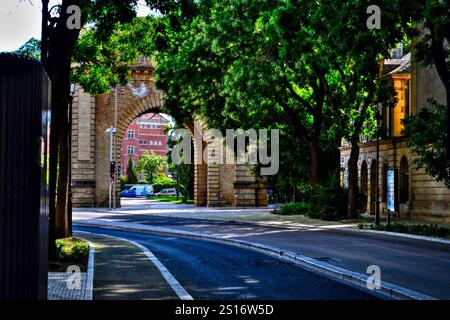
point(145, 133)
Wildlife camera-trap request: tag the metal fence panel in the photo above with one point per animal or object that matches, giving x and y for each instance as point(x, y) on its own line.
point(24, 128)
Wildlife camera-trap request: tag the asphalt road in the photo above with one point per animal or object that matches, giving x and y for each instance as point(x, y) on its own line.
point(417, 265)
point(209, 270)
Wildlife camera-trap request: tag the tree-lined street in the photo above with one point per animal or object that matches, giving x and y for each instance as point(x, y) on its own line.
point(225, 149)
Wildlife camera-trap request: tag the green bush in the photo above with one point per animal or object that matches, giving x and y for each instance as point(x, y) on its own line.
point(294, 208)
point(326, 202)
point(123, 182)
point(162, 178)
point(71, 250)
point(418, 229)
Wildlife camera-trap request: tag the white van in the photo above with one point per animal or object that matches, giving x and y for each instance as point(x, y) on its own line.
point(138, 190)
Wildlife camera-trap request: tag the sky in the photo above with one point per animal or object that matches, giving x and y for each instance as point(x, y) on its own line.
point(20, 20)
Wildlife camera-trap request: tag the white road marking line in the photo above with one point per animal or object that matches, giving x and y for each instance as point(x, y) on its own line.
point(174, 284)
point(90, 272)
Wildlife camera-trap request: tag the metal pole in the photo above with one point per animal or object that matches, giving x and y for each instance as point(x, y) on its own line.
point(377, 188)
point(110, 160)
point(178, 181)
point(114, 144)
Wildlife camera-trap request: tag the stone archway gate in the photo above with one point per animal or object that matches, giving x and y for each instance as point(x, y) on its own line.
point(215, 185)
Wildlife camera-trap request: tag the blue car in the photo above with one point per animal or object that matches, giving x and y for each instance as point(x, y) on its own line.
point(128, 193)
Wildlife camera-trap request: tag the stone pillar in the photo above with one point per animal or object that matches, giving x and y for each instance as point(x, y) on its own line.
point(83, 149)
point(213, 187)
point(214, 155)
point(200, 183)
point(200, 167)
point(227, 179)
point(261, 192)
point(105, 108)
point(245, 190)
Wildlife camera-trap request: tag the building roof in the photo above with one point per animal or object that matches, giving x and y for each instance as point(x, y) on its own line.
point(402, 65)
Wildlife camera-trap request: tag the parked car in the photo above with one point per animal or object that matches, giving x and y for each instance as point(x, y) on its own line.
point(139, 190)
point(128, 193)
point(168, 192)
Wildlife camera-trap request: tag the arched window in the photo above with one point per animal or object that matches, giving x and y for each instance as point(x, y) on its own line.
point(404, 180)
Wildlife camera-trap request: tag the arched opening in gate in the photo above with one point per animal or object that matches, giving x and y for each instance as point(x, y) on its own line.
point(404, 180)
point(363, 186)
point(373, 186)
point(99, 125)
point(146, 138)
point(143, 132)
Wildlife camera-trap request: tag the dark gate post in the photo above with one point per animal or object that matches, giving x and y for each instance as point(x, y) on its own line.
point(24, 129)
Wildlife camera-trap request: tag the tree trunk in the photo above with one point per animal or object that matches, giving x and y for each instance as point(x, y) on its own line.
point(62, 228)
point(353, 180)
point(58, 43)
point(313, 166)
point(59, 141)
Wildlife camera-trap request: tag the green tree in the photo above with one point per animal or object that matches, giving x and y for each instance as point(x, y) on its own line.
point(58, 43)
point(429, 131)
point(101, 65)
point(355, 51)
point(433, 48)
point(255, 65)
point(287, 64)
point(131, 172)
point(426, 134)
point(31, 48)
point(150, 164)
point(183, 173)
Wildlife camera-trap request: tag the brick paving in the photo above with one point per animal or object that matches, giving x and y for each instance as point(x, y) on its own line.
point(61, 287)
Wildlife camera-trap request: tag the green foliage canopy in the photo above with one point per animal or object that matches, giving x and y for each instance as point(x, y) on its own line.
point(150, 164)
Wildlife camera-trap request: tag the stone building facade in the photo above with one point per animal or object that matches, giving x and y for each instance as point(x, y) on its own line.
point(216, 185)
point(419, 196)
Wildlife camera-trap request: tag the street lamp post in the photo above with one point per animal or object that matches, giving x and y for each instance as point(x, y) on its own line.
point(111, 132)
point(178, 180)
point(177, 168)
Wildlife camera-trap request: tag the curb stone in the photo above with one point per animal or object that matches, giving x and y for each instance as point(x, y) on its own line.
point(291, 226)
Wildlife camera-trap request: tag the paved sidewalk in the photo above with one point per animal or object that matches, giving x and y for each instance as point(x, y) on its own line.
point(70, 285)
point(58, 288)
point(123, 272)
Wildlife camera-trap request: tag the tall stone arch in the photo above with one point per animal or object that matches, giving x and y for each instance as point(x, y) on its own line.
point(215, 185)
